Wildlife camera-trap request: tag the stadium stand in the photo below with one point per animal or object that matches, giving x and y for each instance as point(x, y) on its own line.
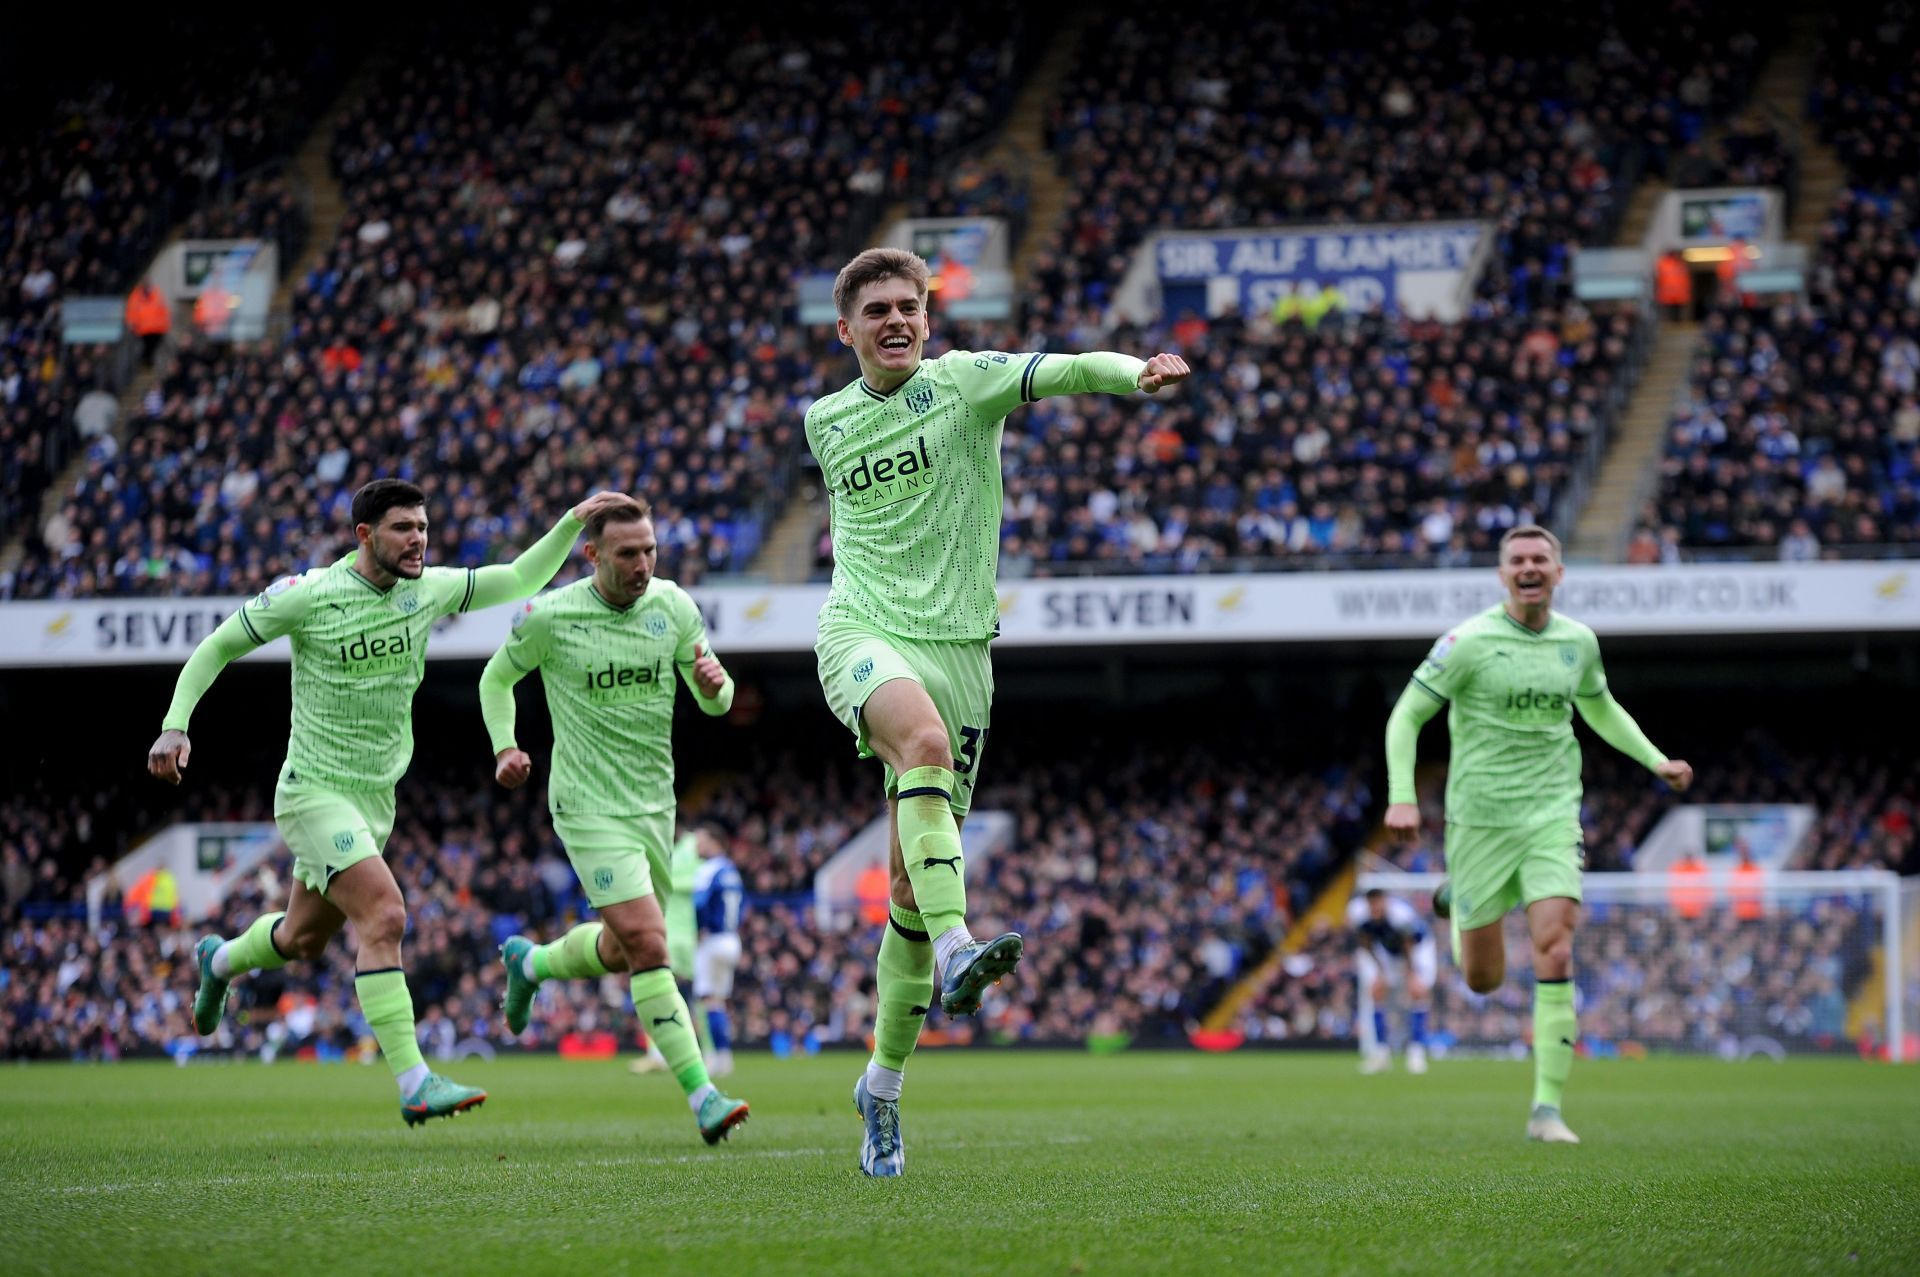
point(1149, 879)
point(1381, 115)
point(1801, 439)
point(92, 188)
point(567, 274)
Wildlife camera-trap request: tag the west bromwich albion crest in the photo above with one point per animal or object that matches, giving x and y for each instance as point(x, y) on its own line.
point(920, 399)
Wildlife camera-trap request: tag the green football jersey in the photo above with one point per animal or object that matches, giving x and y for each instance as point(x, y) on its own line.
point(913, 482)
point(358, 654)
point(683, 929)
point(1510, 695)
point(609, 676)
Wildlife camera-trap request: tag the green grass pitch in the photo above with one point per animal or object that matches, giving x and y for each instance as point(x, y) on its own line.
point(1016, 1163)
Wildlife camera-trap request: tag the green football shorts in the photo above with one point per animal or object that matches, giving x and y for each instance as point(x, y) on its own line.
point(854, 660)
point(618, 858)
point(329, 829)
point(1493, 870)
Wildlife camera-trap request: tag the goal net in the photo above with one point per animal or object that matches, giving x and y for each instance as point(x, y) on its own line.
point(1798, 962)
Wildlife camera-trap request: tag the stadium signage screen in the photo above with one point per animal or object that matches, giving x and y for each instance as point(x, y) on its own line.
point(1264, 608)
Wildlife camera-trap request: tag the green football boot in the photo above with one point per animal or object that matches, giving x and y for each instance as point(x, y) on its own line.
point(210, 1000)
point(719, 1115)
point(439, 1097)
point(519, 999)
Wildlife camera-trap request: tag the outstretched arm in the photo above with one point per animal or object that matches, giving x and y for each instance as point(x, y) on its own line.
point(229, 641)
point(996, 383)
point(1102, 372)
point(1410, 713)
point(526, 575)
point(1611, 722)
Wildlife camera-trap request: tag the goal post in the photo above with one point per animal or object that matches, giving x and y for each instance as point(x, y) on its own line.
point(1794, 962)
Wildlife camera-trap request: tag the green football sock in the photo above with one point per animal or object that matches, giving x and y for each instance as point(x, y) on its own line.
point(1555, 1030)
point(388, 1009)
point(571, 957)
point(663, 1014)
point(252, 949)
point(930, 844)
point(698, 1009)
point(905, 982)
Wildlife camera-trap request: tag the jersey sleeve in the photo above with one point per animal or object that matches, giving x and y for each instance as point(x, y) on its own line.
point(1448, 666)
point(530, 639)
point(690, 646)
point(451, 589)
point(692, 641)
point(278, 609)
point(993, 382)
point(1593, 675)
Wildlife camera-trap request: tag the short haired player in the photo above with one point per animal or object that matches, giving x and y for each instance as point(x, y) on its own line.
point(1512, 678)
point(610, 649)
point(910, 451)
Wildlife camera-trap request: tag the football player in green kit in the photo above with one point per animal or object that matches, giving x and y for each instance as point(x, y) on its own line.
point(610, 649)
point(1512, 678)
point(911, 455)
point(359, 629)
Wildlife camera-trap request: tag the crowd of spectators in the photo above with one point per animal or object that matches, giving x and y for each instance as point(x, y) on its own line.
point(564, 271)
point(1800, 439)
point(1365, 441)
point(1146, 883)
point(1648, 974)
point(1646, 977)
point(90, 189)
point(1148, 880)
point(575, 270)
point(1535, 121)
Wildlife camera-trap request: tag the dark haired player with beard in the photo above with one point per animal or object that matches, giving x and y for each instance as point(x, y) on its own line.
point(1513, 677)
point(359, 630)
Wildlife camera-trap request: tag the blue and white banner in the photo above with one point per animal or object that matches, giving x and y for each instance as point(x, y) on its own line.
point(1274, 607)
point(1425, 270)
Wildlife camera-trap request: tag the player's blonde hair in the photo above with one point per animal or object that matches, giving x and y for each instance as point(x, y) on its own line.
point(1530, 530)
point(873, 266)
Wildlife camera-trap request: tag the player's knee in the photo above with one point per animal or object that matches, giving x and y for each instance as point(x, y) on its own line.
point(1484, 979)
point(384, 923)
point(927, 746)
point(1553, 956)
point(900, 890)
point(645, 948)
point(303, 944)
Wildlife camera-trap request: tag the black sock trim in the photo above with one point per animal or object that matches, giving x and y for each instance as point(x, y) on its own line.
point(651, 970)
point(918, 937)
point(1562, 980)
point(272, 932)
point(925, 791)
point(379, 971)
